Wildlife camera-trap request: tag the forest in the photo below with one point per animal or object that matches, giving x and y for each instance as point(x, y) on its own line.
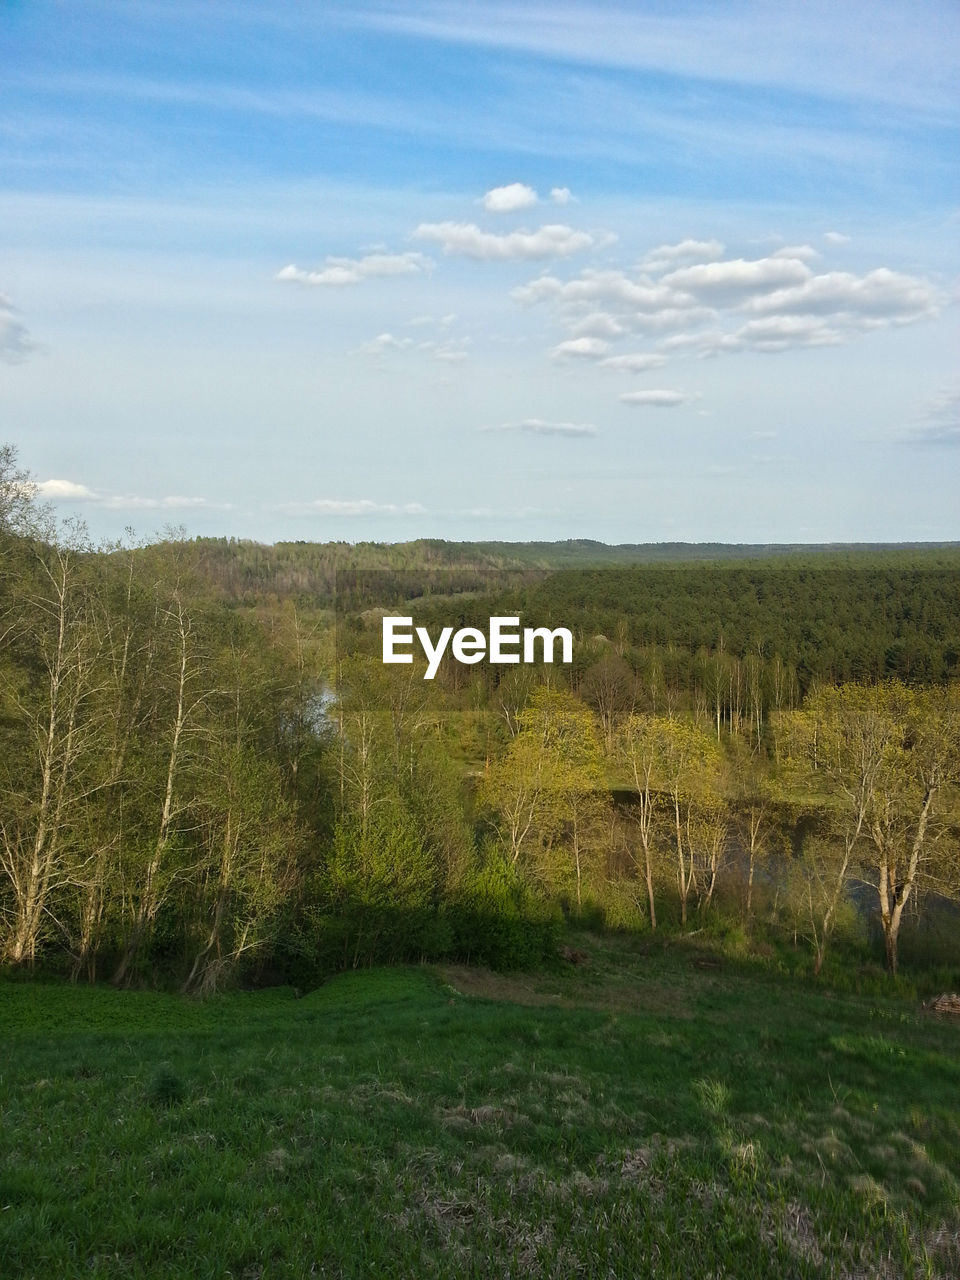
point(208, 778)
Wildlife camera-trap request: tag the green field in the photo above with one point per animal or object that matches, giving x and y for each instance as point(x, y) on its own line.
point(648, 1112)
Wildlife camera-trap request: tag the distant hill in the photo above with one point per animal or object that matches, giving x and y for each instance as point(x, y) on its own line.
point(246, 571)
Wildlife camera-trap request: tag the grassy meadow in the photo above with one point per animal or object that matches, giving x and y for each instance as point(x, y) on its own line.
point(658, 1109)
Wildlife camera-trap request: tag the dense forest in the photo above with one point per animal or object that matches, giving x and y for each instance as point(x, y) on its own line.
point(208, 776)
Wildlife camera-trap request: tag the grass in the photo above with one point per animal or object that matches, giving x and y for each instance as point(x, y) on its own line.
point(654, 1111)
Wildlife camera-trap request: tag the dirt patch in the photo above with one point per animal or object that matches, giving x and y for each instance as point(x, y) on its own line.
point(615, 996)
point(461, 1117)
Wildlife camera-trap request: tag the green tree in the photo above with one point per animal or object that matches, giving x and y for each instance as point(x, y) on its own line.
point(547, 792)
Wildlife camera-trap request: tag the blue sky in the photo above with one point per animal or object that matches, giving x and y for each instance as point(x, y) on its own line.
point(638, 272)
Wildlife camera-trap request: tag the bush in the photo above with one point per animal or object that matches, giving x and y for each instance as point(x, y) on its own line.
point(496, 921)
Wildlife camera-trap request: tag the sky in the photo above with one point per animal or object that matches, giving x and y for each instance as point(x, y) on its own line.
point(639, 272)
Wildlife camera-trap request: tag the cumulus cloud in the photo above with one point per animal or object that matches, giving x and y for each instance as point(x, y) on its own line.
point(836, 237)
point(15, 341)
point(658, 398)
point(598, 324)
point(344, 271)
point(802, 252)
point(878, 298)
point(384, 342)
point(614, 289)
point(537, 427)
point(581, 348)
point(510, 199)
point(667, 255)
point(561, 195)
point(67, 489)
point(731, 279)
point(72, 491)
point(465, 239)
point(727, 305)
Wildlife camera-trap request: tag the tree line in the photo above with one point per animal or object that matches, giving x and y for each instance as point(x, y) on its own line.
point(199, 792)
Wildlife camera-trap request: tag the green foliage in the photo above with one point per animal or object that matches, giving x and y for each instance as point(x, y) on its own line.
point(204, 782)
point(496, 920)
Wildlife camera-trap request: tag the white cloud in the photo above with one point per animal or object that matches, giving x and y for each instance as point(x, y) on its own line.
point(609, 288)
point(175, 502)
point(537, 427)
point(683, 251)
point(561, 195)
point(659, 398)
point(802, 252)
point(702, 304)
point(69, 490)
point(581, 348)
point(598, 324)
point(772, 334)
point(836, 237)
point(384, 342)
point(465, 239)
point(344, 271)
point(879, 298)
point(729, 280)
point(450, 350)
point(349, 507)
point(510, 199)
point(637, 363)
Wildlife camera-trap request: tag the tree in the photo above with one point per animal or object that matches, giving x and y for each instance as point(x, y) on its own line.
point(688, 765)
point(638, 748)
point(921, 759)
point(50, 758)
point(17, 495)
point(759, 833)
point(547, 790)
point(609, 687)
point(842, 742)
point(154, 867)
